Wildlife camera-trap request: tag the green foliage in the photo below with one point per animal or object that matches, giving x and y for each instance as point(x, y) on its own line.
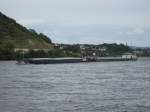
point(19, 56)
point(33, 31)
point(115, 49)
point(6, 51)
point(73, 48)
point(50, 54)
point(20, 36)
point(13, 35)
point(44, 37)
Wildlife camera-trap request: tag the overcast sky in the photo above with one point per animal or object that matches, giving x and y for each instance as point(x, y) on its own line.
point(84, 21)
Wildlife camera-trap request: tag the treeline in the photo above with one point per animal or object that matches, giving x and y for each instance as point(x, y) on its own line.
point(115, 49)
point(106, 49)
point(7, 52)
point(62, 50)
point(42, 54)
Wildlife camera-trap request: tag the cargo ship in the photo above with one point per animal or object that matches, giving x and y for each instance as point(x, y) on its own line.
point(124, 57)
point(53, 60)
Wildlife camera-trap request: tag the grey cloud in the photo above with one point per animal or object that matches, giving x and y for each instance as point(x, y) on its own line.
point(89, 21)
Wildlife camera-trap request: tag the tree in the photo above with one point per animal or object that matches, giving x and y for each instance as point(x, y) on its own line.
point(44, 37)
point(6, 51)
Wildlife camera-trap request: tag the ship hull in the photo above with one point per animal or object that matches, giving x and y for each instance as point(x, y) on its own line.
point(54, 60)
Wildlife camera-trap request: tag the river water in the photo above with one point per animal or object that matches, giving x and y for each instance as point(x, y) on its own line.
point(78, 87)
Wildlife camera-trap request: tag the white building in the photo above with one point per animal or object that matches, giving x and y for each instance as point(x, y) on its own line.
point(129, 56)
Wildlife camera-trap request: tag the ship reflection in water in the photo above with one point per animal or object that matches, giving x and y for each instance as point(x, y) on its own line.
point(80, 87)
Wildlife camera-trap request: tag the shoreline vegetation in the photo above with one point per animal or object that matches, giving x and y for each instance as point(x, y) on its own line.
point(16, 42)
point(104, 50)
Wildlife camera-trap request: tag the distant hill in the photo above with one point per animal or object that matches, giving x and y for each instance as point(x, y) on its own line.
point(21, 37)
